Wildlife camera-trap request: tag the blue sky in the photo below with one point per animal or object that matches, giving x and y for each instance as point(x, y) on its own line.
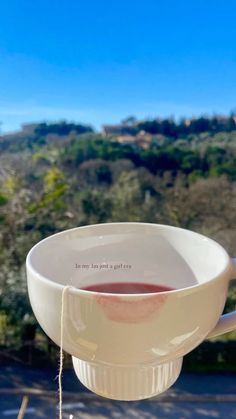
point(100, 61)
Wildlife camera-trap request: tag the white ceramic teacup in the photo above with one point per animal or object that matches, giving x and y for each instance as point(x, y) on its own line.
point(130, 346)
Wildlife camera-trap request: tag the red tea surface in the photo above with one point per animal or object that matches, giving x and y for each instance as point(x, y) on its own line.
point(127, 288)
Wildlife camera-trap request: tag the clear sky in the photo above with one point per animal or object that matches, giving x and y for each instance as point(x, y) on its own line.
point(100, 61)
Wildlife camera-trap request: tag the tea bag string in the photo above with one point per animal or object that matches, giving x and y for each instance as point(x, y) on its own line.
point(63, 299)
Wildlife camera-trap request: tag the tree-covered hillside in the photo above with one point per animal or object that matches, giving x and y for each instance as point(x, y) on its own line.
point(58, 176)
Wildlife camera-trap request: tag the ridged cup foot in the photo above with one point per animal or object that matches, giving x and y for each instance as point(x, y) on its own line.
point(127, 382)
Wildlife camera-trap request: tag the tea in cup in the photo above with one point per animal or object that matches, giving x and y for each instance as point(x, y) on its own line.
point(141, 297)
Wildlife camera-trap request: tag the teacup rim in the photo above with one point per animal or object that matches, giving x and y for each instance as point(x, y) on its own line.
point(79, 291)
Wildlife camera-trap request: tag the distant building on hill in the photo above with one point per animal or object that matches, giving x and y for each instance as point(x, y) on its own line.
point(142, 139)
point(29, 128)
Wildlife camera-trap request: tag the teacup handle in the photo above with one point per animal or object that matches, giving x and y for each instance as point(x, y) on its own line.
point(227, 322)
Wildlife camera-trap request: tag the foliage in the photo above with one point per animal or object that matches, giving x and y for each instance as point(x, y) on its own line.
point(64, 175)
point(61, 128)
point(184, 127)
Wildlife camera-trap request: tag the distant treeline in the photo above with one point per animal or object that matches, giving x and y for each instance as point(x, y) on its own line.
point(61, 128)
point(37, 135)
point(171, 128)
point(168, 127)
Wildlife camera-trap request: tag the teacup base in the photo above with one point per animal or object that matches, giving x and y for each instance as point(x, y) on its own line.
point(127, 382)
